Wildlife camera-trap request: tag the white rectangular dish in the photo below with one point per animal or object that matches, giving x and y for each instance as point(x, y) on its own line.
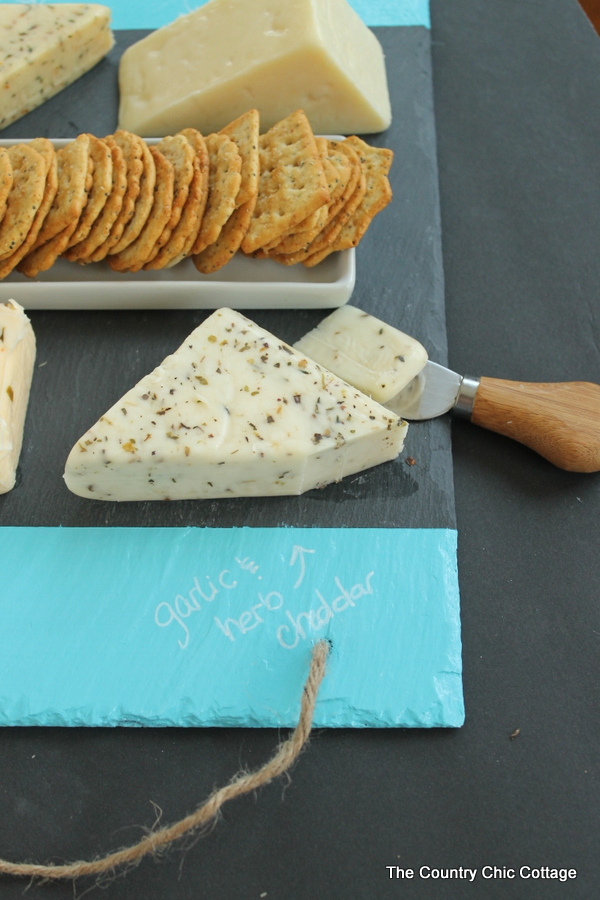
point(244, 283)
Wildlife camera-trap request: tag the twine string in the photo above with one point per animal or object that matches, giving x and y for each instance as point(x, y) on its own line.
point(242, 783)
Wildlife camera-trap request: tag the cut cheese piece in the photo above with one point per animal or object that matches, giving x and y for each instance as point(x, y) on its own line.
point(17, 356)
point(44, 48)
point(373, 356)
point(212, 65)
point(233, 412)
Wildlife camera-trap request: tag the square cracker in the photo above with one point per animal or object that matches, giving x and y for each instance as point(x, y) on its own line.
point(292, 182)
point(375, 164)
point(346, 195)
point(244, 132)
point(224, 179)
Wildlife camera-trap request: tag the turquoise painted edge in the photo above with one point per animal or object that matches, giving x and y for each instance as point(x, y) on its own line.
point(214, 627)
point(127, 14)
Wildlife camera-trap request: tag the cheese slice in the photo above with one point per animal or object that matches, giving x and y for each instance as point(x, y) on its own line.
point(212, 65)
point(375, 357)
point(17, 356)
point(233, 412)
point(44, 48)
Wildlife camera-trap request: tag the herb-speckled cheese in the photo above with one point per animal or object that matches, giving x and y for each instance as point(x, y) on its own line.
point(17, 356)
point(44, 48)
point(233, 412)
point(373, 356)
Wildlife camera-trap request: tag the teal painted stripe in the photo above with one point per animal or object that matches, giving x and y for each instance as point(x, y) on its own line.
point(155, 13)
point(193, 626)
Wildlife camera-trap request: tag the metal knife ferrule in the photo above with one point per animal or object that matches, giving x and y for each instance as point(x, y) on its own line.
point(465, 399)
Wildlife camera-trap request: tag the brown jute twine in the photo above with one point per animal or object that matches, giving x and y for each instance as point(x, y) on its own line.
point(240, 784)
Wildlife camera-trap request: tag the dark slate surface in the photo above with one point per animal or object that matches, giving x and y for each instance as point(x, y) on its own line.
point(516, 88)
point(92, 358)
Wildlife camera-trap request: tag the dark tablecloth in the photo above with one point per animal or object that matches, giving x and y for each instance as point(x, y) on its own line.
point(517, 90)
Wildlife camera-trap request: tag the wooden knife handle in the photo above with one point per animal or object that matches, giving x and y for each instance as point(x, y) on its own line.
point(559, 421)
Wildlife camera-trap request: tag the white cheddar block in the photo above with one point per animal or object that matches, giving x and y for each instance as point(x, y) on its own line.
point(233, 412)
point(229, 56)
point(17, 356)
point(44, 48)
point(366, 352)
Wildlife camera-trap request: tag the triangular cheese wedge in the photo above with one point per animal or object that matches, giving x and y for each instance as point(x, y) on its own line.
point(235, 412)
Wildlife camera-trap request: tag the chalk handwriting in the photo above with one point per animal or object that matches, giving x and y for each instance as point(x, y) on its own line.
point(298, 553)
point(183, 607)
point(315, 619)
point(247, 564)
point(295, 627)
point(250, 618)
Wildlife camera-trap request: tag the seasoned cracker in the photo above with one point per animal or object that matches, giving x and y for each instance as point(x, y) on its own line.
point(73, 171)
point(300, 239)
point(46, 151)
point(223, 185)
point(341, 151)
point(345, 151)
point(99, 192)
point(181, 156)
point(133, 257)
point(24, 198)
point(199, 147)
point(216, 255)
point(244, 131)
point(332, 232)
point(96, 241)
point(343, 171)
point(138, 196)
point(375, 163)
point(339, 211)
point(44, 257)
point(325, 238)
point(184, 234)
point(6, 179)
point(342, 174)
point(292, 183)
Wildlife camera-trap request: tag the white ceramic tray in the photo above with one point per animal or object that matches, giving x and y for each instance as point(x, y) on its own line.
point(242, 284)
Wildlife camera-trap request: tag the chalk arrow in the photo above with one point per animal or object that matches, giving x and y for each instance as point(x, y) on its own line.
point(298, 553)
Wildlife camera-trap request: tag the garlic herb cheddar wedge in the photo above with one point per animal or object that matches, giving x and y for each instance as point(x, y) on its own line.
point(234, 412)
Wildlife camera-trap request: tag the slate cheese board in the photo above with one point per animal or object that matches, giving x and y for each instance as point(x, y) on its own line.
point(100, 597)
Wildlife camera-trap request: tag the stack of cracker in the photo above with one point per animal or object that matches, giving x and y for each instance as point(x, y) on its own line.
point(285, 195)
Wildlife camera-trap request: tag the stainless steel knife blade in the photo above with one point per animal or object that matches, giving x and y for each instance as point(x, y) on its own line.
point(560, 421)
point(433, 392)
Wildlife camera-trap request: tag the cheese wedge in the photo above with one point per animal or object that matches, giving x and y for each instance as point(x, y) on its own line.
point(17, 356)
point(44, 48)
point(375, 357)
point(212, 65)
point(234, 412)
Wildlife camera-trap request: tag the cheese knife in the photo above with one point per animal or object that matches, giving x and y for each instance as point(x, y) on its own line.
point(560, 421)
